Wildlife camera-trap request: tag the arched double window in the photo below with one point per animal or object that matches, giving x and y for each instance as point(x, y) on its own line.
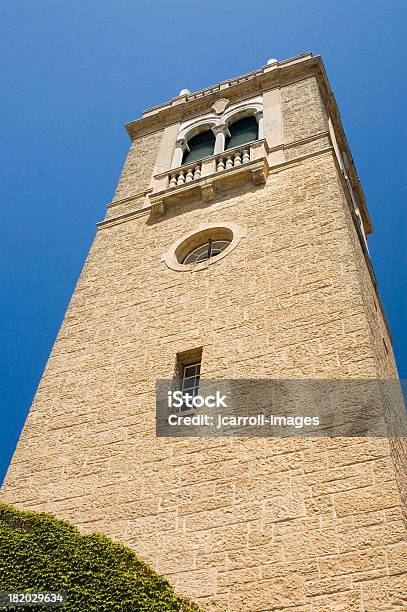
point(242, 131)
point(201, 145)
point(223, 134)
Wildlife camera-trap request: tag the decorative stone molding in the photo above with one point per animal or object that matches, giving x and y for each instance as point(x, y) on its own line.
point(244, 109)
point(181, 146)
point(207, 192)
point(221, 131)
point(221, 128)
point(220, 106)
point(158, 208)
point(260, 121)
point(217, 231)
point(194, 127)
point(260, 174)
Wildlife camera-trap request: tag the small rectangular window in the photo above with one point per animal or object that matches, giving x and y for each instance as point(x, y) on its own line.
point(188, 373)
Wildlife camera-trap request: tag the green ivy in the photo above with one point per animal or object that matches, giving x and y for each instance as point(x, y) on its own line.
point(39, 552)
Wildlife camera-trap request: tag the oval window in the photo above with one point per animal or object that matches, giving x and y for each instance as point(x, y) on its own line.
point(203, 245)
point(209, 249)
point(197, 250)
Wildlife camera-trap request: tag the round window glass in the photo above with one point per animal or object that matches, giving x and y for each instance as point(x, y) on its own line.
point(205, 251)
point(208, 244)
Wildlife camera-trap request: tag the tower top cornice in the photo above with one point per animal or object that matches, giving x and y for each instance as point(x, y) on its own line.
point(274, 74)
point(188, 104)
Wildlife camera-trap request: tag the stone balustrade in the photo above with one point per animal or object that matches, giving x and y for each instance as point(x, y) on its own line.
point(245, 162)
point(224, 161)
point(233, 158)
point(185, 174)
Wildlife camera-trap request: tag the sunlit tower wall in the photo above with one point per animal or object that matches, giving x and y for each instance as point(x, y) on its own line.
point(259, 167)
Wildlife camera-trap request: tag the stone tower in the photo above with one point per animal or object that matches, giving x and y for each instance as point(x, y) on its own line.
point(235, 243)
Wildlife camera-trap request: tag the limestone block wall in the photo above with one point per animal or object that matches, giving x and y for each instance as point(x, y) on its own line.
point(138, 167)
point(303, 112)
point(243, 524)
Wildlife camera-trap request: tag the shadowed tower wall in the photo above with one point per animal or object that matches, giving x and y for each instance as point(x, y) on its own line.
point(249, 524)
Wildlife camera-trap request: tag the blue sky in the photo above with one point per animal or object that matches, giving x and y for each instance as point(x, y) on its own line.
point(74, 72)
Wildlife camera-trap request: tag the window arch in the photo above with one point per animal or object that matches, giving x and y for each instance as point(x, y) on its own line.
point(242, 131)
point(199, 146)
